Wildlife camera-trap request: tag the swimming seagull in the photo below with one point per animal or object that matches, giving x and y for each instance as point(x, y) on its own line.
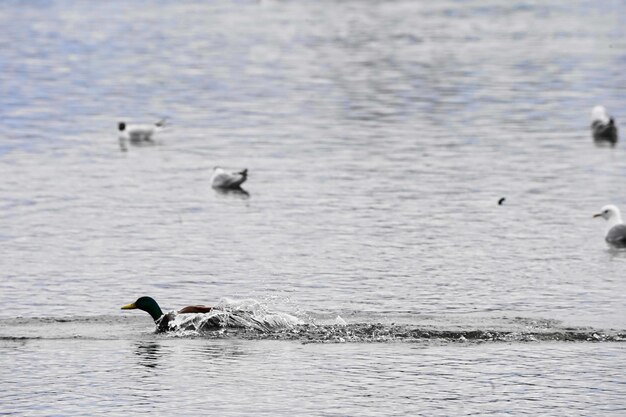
point(224, 180)
point(616, 234)
point(139, 133)
point(603, 126)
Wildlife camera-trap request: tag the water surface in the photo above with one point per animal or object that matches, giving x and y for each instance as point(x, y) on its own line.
point(379, 136)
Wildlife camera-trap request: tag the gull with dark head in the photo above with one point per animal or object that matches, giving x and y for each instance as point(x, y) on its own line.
point(616, 230)
point(138, 134)
point(603, 126)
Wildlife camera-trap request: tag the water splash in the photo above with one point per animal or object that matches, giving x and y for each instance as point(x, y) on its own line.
point(235, 314)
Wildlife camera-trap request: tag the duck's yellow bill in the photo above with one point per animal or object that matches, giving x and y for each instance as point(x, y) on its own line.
point(130, 306)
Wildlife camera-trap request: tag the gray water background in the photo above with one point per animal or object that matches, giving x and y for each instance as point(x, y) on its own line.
point(379, 137)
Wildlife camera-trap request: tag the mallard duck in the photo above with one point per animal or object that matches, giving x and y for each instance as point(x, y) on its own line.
point(223, 180)
point(616, 233)
point(150, 306)
point(603, 126)
point(139, 133)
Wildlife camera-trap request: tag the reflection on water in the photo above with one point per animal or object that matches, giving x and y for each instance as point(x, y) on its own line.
point(124, 144)
point(149, 353)
point(237, 193)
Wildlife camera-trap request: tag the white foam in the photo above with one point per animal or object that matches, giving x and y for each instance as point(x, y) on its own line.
point(249, 314)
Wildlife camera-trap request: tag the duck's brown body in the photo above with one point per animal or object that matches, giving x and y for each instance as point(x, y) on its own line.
point(195, 309)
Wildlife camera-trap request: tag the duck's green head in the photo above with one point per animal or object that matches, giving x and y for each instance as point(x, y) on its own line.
point(146, 304)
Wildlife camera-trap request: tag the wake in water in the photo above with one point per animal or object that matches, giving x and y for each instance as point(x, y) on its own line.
point(366, 332)
point(251, 319)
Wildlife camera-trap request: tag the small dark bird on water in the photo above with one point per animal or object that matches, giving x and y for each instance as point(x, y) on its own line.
point(603, 126)
point(501, 201)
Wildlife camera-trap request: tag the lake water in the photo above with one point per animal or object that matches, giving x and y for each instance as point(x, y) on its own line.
point(379, 137)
